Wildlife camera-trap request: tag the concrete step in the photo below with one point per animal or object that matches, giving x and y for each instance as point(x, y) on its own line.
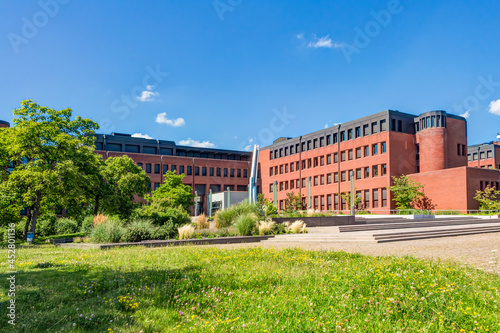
point(393, 235)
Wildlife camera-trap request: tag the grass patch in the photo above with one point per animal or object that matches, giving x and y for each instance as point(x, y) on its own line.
point(203, 289)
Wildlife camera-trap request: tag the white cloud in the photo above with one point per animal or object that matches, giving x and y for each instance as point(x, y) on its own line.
point(326, 125)
point(324, 42)
point(466, 114)
point(161, 118)
point(194, 143)
point(140, 135)
point(251, 140)
point(149, 87)
point(147, 96)
point(300, 36)
point(495, 107)
point(248, 148)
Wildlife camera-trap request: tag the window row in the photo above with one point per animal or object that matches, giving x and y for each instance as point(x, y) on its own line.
point(485, 184)
point(329, 178)
point(329, 139)
point(375, 198)
point(482, 155)
point(359, 152)
point(188, 170)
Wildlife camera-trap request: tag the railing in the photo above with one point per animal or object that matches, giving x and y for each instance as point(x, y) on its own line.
point(435, 212)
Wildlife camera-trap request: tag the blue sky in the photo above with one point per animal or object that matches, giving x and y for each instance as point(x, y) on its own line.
point(230, 73)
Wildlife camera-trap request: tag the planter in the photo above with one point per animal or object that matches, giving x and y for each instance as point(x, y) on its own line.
point(321, 221)
point(160, 243)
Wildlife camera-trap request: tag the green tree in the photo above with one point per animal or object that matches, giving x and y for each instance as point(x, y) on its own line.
point(346, 197)
point(118, 181)
point(293, 202)
point(406, 192)
point(172, 193)
point(488, 199)
point(45, 148)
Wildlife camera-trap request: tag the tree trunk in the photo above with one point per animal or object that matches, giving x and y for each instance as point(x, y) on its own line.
point(28, 222)
point(36, 211)
point(96, 205)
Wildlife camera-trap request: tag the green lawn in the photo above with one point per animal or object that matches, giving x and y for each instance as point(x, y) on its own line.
point(203, 289)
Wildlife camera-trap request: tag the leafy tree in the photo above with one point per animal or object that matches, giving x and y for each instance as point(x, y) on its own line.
point(293, 202)
point(266, 205)
point(424, 203)
point(406, 192)
point(172, 193)
point(45, 148)
point(488, 199)
point(346, 197)
point(119, 179)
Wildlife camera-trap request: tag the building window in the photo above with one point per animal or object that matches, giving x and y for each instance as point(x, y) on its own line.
point(367, 151)
point(358, 152)
point(384, 197)
point(156, 185)
point(189, 170)
point(157, 168)
point(335, 138)
point(365, 130)
point(349, 134)
point(322, 142)
point(343, 176)
point(315, 180)
point(328, 139)
point(286, 168)
point(181, 169)
point(463, 150)
point(292, 167)
point(474, 157)
point(383, 125)
point(383, 170)
point(375, 171)
point(165, 168)
point(374, 128)
point(271, 171)
point(374, 149)
point(358, 173)
point(357, 132)
point(489, 154)
point(297, 166)
point(367, 172)
point(315, 160)
point(350, 154)
point(309, 163)
point(211, 172)
point(303, 182)
point(245, 173)
point(367, 199)
point(328, 159)
point(281, 169)
point(173, 168)
point(271, 188)
point(322, 180)
point(459, 149)
point(148, 167)
point(204, 171)
point(232, 173)
point(329, 202)
point(375, 198)
point(329, 178)
point(225, 172)
point(342, 156)
point(481, 155)
point(335, 158)
point(384, 147)
point(196, 171)
point(336, 201)
point(139, 165)
point(336, 177)
point(322, 160)
point(342, 136)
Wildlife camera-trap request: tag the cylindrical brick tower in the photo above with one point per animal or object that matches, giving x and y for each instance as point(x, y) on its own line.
point(4, 124)
point(431, 138)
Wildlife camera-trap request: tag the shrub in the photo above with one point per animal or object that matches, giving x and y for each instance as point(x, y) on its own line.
point(266, 227)
point(297, 227)
point(46, 225)
point(108, 232)
point(201, 222)
point(77, 240)
point(138, 230)
point(87, 224)
point(99, 219)
point(66, 225)
point(166, 231)
point(186, 231)
point(18, 230)
point(225, 218)
point(246, 224)
point(310, 212)
point(178, 216)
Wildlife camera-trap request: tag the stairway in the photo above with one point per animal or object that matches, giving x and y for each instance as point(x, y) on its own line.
point(391, 232)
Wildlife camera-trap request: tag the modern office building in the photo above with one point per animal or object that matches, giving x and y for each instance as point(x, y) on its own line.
point(205, 168)
point(485, 155)
point(430, 148)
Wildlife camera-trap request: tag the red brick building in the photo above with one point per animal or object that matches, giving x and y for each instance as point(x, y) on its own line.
point(431, 148)
point(205, 168)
